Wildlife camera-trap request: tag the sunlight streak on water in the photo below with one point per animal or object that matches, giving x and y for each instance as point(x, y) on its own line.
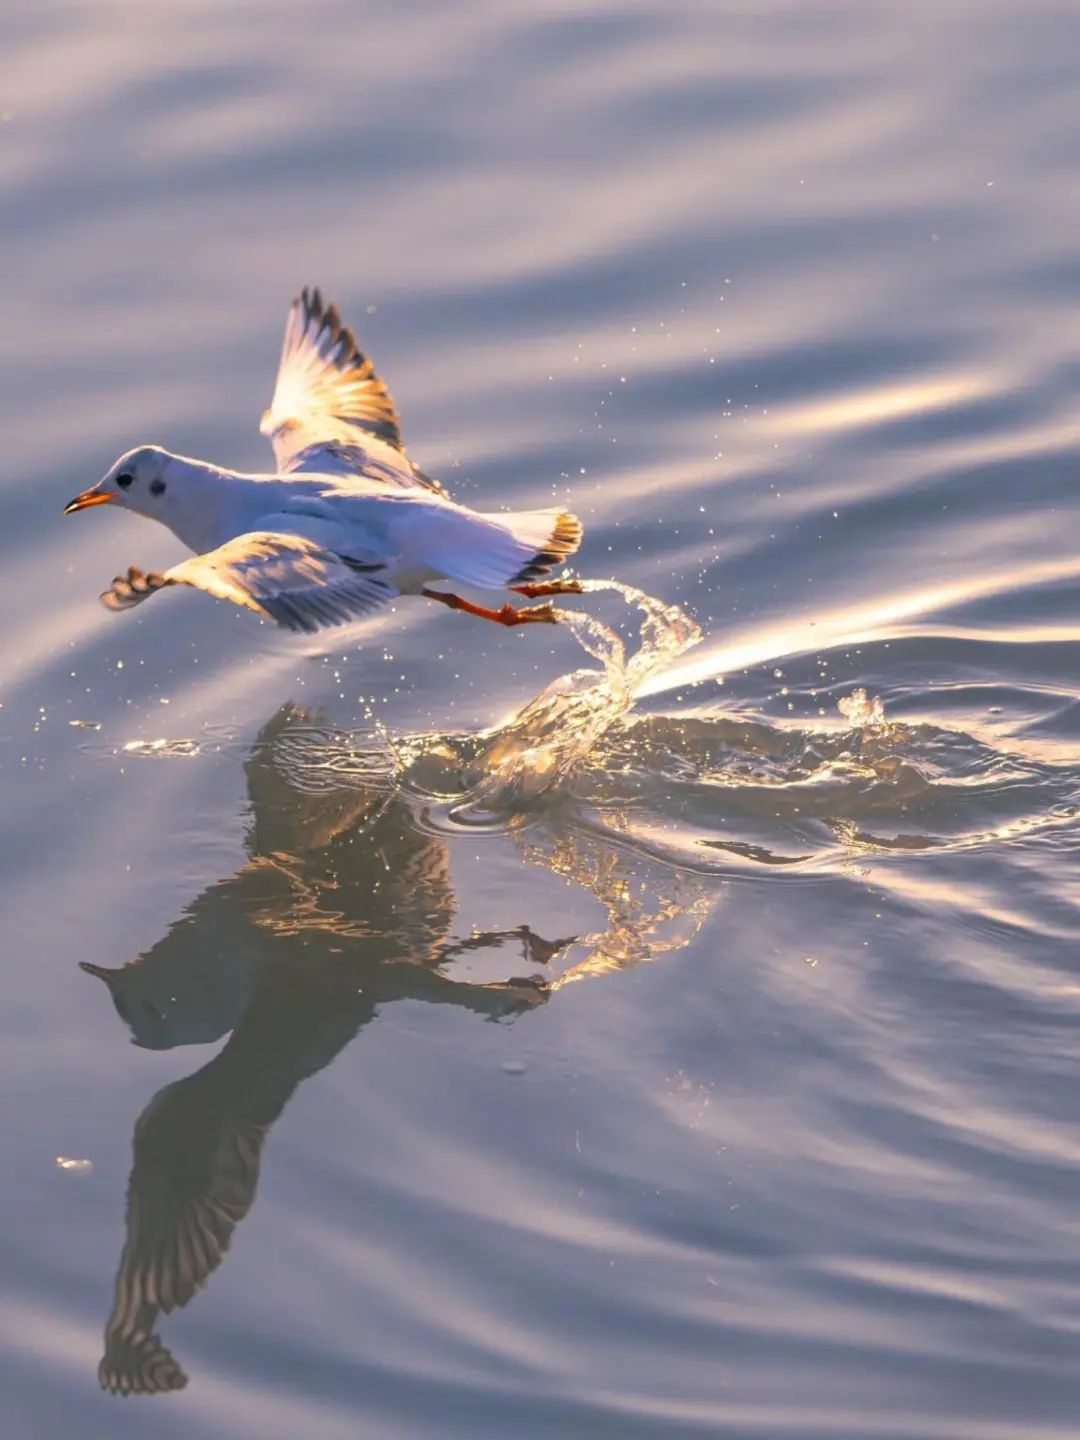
point(873, 407)
point(859, 624)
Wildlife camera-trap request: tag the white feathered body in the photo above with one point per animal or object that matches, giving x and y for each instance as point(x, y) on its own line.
point(417, 535)
point(346, 522)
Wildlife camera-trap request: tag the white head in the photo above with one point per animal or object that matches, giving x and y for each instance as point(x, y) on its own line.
point(186, 495)
point(139, 481)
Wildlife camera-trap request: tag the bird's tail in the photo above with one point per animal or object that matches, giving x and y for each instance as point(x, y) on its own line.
point(495, 550)
point(552, 535)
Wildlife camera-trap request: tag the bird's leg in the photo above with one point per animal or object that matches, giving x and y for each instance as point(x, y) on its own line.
point(549, 587)
point(506, 616)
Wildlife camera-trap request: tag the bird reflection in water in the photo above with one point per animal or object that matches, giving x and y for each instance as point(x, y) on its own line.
point(293, 954)
point(345, 903)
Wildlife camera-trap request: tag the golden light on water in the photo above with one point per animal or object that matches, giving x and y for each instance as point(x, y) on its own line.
point(879, 403)
point(858, 624)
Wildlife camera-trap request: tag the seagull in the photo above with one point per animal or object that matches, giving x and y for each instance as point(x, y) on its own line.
point(346, 521)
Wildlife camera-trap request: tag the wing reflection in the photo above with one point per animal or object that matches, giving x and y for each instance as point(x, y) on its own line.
point(345, 902)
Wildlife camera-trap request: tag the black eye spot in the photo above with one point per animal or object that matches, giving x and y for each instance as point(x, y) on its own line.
point(157, 487)
point(125, 480)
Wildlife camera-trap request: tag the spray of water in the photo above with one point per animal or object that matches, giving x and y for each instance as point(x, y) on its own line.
point(862, 711)
point(536, 750)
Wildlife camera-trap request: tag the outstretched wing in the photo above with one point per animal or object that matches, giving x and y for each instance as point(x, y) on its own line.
point(295, 582)
point(326, 388)
point(331, 412)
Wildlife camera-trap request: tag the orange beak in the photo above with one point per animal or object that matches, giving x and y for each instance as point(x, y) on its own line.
point(88, 498)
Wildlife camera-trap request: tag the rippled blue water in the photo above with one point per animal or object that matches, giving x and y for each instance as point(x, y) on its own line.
point(726, 1084)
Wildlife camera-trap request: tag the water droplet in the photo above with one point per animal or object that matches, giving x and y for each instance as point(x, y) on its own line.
point(861, 710)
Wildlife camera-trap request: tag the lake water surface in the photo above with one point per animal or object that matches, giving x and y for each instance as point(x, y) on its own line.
point(689, 1049)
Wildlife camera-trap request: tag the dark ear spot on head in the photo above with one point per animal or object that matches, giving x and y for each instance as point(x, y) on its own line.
point(125, 480)
point(157, 487)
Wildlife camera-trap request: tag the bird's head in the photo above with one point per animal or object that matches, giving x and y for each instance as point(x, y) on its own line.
point(139, 481)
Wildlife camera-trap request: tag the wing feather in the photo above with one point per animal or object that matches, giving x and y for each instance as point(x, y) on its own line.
point(331, 412)
point(197, 1149)
point(296, 582)
point(327, 388)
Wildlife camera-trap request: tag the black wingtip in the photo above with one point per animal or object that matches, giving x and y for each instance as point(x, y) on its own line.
point(366, 402)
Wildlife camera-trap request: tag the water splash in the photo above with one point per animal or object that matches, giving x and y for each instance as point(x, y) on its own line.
point(708, 793)
point(861, 710)
point(539, 748)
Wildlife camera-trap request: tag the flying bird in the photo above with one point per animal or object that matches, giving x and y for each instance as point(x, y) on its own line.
point(345, 522)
